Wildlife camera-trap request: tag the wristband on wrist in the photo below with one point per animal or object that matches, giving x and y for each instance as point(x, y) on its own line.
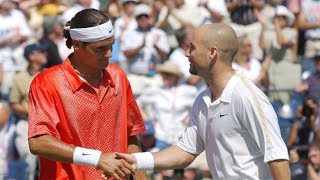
point(83, 156)
point(145, 161)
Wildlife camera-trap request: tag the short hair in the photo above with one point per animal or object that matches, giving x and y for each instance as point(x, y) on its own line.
point(83, 19)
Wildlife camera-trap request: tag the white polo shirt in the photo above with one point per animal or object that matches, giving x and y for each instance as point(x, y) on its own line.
point(239, 132)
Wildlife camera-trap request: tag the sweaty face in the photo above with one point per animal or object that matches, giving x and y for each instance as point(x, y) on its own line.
point(97, 54)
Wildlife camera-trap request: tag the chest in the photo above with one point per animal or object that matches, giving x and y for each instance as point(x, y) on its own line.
point(219, 121)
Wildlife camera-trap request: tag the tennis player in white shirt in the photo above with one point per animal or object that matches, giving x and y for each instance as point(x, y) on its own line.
point(233, 121)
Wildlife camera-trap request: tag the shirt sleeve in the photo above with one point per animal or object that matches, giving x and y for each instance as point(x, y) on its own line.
point(135, 121)
point(42, 115)
point(191, 140)
point(255, 112)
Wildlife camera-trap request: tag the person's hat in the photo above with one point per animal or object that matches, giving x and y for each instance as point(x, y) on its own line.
point(169, 67)
point(149, 128)
point(125, 1)
point(142, 9)
point(283, 11)
point(31, 48)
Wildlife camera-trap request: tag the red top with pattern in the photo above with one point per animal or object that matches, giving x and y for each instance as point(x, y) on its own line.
point(69, 109)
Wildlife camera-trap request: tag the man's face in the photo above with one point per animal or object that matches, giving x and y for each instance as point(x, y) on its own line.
point(245, 47)
point(197, 56)
point(314, 156)
point(143, 21)
point(97, 54)
point(129, 7)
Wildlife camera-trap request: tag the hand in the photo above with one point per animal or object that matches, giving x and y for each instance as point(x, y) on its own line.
point(170, 4)
point(129, 159)
point(113, 167)
point(203, 3)
point(299, 113)
point(155, 40)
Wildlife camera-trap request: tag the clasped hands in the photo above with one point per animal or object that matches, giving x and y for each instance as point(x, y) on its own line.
point(117, 165)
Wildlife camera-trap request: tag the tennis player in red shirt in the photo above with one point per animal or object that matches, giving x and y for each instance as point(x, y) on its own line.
point(82, 111)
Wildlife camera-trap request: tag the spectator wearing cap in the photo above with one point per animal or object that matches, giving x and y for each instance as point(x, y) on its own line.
point(37, 58)
point(168, 106)
point(284, 71)
point(311, 85)
point(127, 19)
point(142, 48)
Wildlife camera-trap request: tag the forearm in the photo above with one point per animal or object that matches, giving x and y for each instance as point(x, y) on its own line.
point(215, 14)
point(312, 174)
point(304, 25)
point(162, 54)
point(172, 158)
point(293, 134)
point(51, 148)
point(280, 169)
point(257, 4)
point(132, 52)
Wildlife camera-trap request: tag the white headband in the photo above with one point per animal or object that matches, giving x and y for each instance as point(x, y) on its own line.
point(93, 34)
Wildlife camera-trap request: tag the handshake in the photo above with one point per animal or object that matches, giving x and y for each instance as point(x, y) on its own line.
point(120, 165)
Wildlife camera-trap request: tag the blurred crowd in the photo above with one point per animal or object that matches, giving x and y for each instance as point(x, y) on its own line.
point(279, 50)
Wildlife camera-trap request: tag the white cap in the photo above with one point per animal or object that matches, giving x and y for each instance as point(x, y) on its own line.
point(142, 9)
point(283, 11)
point(124, 1)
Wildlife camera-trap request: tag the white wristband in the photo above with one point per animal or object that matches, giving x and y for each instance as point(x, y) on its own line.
point(145, 161)
point(83, 156)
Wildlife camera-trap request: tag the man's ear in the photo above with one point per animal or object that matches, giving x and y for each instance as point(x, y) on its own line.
point(76, 44)
point(213, 53)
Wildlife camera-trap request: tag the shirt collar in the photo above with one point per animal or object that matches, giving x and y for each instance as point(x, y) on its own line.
point(227, 91)
point(74, 80)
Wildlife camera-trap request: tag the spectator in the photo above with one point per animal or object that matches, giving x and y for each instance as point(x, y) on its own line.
point(214, 11)
point(52, 39)
point(311, 85)
point(313, 167)
point(309, 22)
point(143, 48)
point(249, 66)
point(14, 30)
point(244, 21)
point(168, 106)
point(78, 6)
point(284, 73)
point(306, 126)
point(7, 129)
point(37, 58)
point(127, 20)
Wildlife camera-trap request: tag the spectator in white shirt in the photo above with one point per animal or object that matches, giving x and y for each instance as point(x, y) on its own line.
point(168, 106)
point(143, 48)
